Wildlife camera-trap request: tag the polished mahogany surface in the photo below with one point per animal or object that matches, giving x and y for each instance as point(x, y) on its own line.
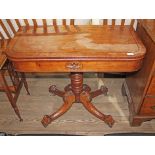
point(85, 45)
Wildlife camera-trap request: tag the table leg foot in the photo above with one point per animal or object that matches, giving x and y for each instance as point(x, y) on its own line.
point(46, 120)
point(69, 99)
point(109, 121)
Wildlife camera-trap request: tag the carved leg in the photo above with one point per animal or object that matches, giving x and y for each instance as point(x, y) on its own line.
point(9, 95)
point(77, 92)
point(68, 88)
point(54, 91)
point(13, 76)
point(25, 83)
point(85, 99)
point(69, 98)
point(102, 90)
point(86, 88)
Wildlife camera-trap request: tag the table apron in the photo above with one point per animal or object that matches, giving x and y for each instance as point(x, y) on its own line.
point(78, 66)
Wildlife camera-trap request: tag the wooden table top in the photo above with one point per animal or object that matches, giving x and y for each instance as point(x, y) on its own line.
point(87, 43)
point(79, 49)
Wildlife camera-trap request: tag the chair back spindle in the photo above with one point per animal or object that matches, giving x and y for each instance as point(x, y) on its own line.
point(72, 22)
point(113, 22)
point(132, 22)
point(64, 22)
point(1, 40)
point(5, 29)
point(18, 23)
point(105, 22)
point(55, 25)
point(35, 25)
point(122, 22)
point(45, 25)
point(11, 25)
point(26, 23)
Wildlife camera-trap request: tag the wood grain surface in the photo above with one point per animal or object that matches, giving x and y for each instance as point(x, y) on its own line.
point(94, 48)
point(90, 41)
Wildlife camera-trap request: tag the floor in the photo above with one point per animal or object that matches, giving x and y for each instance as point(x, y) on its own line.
point(77, 121)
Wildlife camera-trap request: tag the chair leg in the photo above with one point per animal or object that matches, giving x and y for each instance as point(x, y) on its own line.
point(9, 95)
point(25, 82)
point(13, 75)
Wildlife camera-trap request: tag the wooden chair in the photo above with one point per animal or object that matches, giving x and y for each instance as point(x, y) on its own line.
point(44, 29)
point(18, 79)
point(6, 68)
point(121, 23)
point(105, 22)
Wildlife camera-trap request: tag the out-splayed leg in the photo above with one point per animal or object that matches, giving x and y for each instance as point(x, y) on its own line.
point(69, 99)
point(85, 99)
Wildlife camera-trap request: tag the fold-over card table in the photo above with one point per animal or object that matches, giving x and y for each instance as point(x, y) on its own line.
point(77, 49)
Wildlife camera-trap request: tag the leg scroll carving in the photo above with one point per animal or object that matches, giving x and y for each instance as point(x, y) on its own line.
point(54, 91)
point(102, 90)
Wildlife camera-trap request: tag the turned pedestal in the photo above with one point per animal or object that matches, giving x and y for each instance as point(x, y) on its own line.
point(77, 92)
